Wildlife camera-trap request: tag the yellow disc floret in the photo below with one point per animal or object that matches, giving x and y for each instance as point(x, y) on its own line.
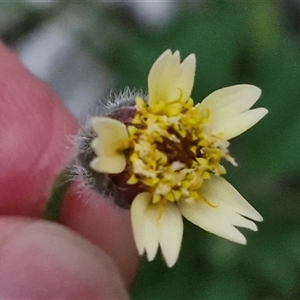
point(171, 150)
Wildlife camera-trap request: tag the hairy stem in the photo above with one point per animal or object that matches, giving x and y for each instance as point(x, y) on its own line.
point(55, 201)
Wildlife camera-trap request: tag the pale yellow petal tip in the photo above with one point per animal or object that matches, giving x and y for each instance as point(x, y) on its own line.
point(236, 237)
point(100, 123)
point(254, 227)
point(141, 251)
point(151, 254)
point(259, 217)
point(252, 90)
point(258, 114)
point(252, 214)
point(192, 60)
point(94, 163)
point(94, 143)
point(256, 91)
point(243, 242)
point(171, 232)
point(110, 135)
point(264, 111)
point(96, 121)
point(165, 55)
point(170, 262)
point(137, 214)
point(113, 164)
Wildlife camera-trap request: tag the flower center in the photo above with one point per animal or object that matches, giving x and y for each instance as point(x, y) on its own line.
point(171, 153)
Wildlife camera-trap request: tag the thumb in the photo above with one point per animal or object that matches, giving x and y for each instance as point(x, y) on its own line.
point(33, 129)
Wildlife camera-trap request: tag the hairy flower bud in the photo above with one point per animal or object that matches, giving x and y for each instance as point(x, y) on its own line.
point(121, 107)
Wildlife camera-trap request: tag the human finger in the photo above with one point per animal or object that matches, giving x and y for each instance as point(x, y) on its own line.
point(43, 260)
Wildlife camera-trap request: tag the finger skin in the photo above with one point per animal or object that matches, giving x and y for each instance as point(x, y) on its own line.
point(105, 225)
point(43, 260)
point(34, 127)
point(35, 131)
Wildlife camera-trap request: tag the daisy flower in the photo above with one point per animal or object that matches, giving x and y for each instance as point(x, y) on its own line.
point(167, 152)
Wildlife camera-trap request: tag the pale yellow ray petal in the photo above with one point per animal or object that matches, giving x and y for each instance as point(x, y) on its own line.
point(220, 190)
point(185, 81)
point(111, 133)
point(240, 221)
point(230, 101)
point(228, 208)
point(153, 227)
point(145, 224)
point(162, 76)
point(156, 72)
point(137, 214)
point(213, 220)
point(176, 57)
point(170, 233)
point(232, 127)
point(169, 80)
point(172, 88)
point(151, 231)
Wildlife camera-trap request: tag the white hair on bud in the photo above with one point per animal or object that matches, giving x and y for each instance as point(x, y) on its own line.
point(88, 179)
point(88, 182)
point(115, 101)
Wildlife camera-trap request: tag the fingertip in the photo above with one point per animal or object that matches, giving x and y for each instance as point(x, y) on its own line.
point(34, 130)
point(43, 260)
point(105, 225)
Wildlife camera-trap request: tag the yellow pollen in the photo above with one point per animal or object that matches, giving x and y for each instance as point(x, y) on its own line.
point(172, 151)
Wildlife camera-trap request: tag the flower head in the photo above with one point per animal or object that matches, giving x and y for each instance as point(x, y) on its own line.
point(167, 153)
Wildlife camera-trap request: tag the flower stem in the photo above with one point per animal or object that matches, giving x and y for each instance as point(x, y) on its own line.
point(55, 201)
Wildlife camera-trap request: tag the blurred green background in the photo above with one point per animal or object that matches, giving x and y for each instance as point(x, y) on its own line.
point(113, 45)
